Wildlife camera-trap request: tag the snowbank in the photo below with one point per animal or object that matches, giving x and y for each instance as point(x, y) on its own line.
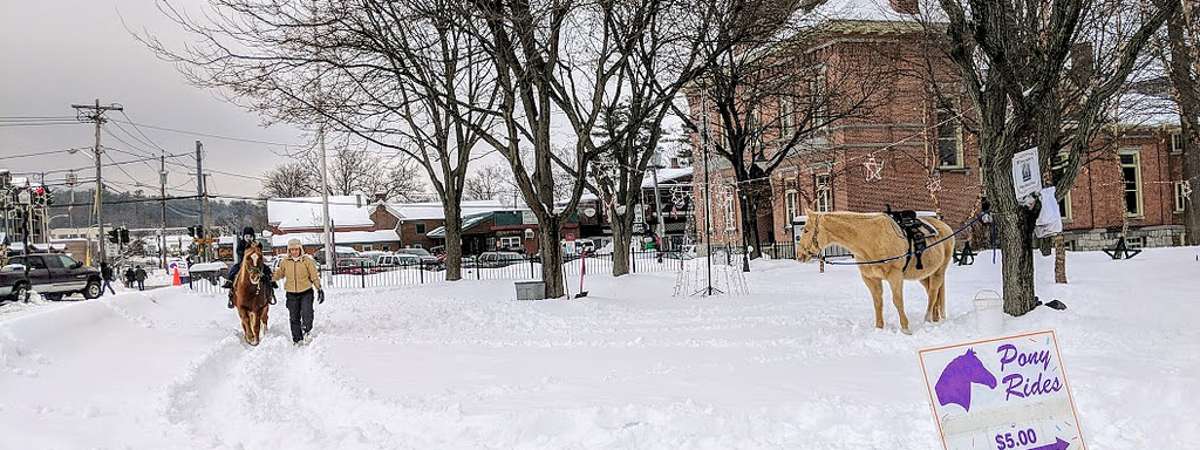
point(796, 364)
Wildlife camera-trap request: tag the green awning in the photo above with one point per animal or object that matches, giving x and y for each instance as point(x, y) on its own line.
point(468, 223)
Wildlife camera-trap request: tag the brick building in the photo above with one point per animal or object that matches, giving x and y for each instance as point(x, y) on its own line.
point(909, 153)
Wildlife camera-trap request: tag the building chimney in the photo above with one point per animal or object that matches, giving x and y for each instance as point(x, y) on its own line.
point(905, 6)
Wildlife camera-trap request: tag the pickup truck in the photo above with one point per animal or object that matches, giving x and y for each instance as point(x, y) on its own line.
point(52, 275)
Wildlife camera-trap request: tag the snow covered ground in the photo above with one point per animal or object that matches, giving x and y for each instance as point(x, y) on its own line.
point(795, 364)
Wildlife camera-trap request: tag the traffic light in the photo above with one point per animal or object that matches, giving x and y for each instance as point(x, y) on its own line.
point(124, 235)
point(114, 236)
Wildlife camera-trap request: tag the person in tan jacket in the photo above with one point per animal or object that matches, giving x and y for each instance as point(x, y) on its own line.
point(302, 278)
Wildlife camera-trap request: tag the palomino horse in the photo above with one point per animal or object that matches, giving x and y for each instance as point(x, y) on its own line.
point(251, 296)
point(873, 237)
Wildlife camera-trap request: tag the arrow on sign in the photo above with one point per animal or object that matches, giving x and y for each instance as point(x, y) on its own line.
point(1059, 444)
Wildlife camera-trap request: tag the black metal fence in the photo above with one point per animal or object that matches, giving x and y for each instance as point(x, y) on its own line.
point(514, 267)
point(519, 267)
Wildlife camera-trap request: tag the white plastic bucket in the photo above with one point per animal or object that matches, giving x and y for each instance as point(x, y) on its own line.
point(989, 312)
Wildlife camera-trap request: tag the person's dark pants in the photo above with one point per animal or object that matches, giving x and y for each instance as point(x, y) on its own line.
point(300, 313)
point(107, 285)
point(141, 285)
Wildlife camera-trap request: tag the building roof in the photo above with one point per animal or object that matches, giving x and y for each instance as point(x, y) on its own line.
point(340, 237)
point(433, 210)
point(1137, 109)
point(666, 177)
point(468, 222)
point(306, 212)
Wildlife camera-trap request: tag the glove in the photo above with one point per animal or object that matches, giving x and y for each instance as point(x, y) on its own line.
point(321, 296)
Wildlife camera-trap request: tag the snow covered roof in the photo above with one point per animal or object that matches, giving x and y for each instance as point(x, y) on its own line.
point(872, 13)
point(306, 212)
point(1137, 109)
point(666, 176)
point(341, 237)
point(433, 210)
point(468, 222)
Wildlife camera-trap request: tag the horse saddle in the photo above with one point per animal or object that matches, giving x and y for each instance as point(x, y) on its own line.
point(914, 230)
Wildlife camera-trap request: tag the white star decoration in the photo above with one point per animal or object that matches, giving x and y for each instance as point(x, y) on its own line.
point(874, 168)
point(935, 184)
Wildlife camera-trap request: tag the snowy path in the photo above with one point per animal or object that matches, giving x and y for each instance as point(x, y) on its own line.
point(797, 364)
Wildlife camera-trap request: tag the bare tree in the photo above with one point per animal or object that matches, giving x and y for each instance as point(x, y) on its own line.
point(555, 62)
point(770, 94)
point(1012, 59)
point(486, 184)
point(288, 180)
point(1182, 58)
point(401, 75)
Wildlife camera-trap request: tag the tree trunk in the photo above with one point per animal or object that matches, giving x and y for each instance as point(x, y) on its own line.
point(1014, 227)
point(453, 240)
point(622, 235)
point(1181, 74)
point(1060, 259)
point(551, 254)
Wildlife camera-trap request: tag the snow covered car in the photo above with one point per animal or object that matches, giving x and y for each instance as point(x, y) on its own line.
point(52, 275)
point(428, 261)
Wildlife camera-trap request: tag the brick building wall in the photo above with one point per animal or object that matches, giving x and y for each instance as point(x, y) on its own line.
point(903, 135)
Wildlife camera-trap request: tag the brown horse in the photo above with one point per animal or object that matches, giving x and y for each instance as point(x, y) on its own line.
point(873, 237)
point(251, 296)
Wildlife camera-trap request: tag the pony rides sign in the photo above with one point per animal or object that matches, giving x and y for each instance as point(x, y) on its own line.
point(1005, 393)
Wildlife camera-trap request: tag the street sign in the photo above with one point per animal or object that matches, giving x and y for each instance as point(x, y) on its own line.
point(1026, 173)
point(1006, 393)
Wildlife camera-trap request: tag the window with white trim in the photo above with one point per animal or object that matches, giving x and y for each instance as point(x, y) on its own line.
point(1064, 208)
point(510, 242)
point(790, 199)
point(787, 117)
point(729, 213)
point(819, 100)
point(1176, 143)
point(1180, 197)
point(1131, 176)
point(824, 198)
point(949, 140)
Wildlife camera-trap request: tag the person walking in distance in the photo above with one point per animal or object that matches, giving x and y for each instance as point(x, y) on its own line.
point(106, 273)
point(301, 279)
point(140, 275)
point(130, 277)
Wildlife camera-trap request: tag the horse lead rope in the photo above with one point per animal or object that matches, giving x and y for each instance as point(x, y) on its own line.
point(906, 254)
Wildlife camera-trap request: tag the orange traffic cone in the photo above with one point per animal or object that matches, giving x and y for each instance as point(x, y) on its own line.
point(175, 281)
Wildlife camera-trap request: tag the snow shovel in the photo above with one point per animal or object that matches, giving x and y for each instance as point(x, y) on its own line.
point(582, 272)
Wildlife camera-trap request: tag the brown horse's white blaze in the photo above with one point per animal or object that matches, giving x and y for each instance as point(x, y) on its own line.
point(873, 236)
point(250, 299)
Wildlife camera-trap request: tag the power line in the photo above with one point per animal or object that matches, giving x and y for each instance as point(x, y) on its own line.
point(50, 152)
point(214, 136)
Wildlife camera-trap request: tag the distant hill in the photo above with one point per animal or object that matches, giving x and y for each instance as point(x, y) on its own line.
point(137, 210)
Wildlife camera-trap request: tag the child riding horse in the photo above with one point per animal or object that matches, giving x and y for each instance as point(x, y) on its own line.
point(252, 294)
point(245, 240)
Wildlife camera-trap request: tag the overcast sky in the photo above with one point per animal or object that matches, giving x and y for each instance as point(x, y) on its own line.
point(58, 52)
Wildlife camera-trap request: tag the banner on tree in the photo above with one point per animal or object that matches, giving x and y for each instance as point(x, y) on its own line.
point(1006, 393)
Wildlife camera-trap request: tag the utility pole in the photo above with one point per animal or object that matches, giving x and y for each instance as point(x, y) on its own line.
point(95, 114)
point(202, 191)
point(162, 196)
point(328, 234)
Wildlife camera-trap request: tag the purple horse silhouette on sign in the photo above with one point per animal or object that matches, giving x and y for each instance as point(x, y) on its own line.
point(954, 385)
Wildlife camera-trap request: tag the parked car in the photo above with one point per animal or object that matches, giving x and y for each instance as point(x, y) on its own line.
point(499, 259)
point(352, 265)
point(427, 259)
point(50, 274)
point(398, 260)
